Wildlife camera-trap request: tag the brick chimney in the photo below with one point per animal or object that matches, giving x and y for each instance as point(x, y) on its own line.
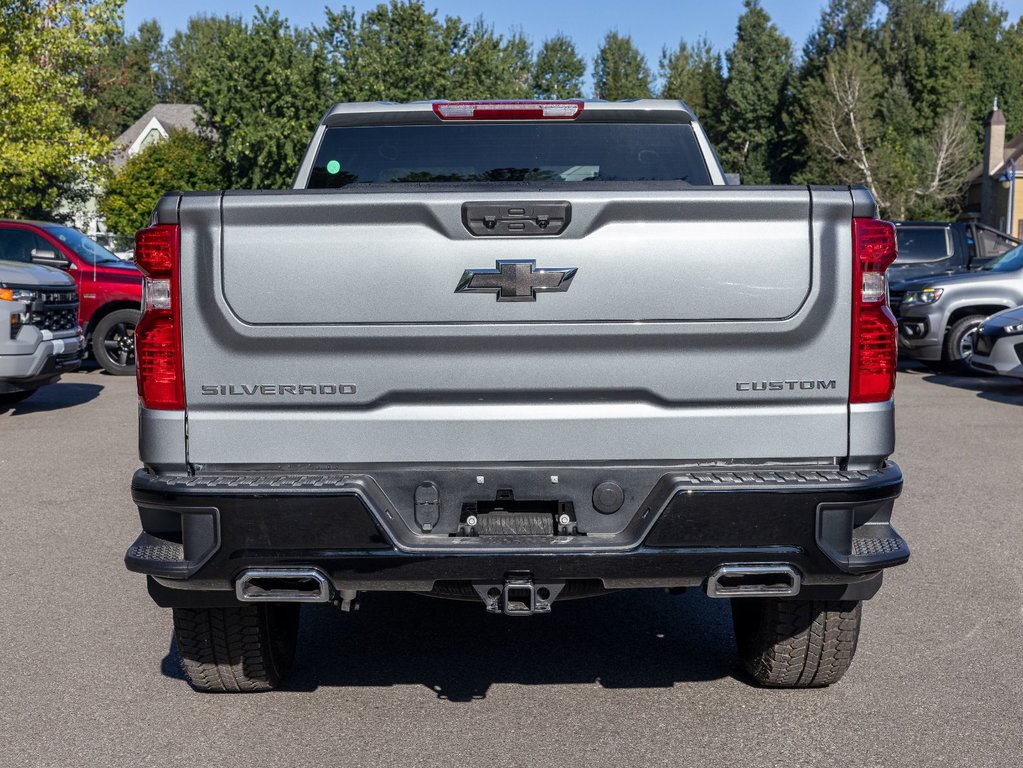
point(994, 156)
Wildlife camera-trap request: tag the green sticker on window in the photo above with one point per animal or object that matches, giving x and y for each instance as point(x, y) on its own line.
point(333, 167)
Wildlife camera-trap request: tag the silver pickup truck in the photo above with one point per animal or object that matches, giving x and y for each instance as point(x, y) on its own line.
point(40, 338)
point(515, 353)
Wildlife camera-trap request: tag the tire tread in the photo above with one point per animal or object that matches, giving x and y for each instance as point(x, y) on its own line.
point(243, 649)
point(796, 643)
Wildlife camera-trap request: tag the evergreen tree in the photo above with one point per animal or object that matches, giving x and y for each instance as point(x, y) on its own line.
point(620, 71)
point(995, 56)
point(558, 70)
point(841, 21)
point(756, 99)
point(919, 42)
point(693, 74)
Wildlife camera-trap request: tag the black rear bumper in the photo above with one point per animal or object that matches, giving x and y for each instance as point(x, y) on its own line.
point(201, 532)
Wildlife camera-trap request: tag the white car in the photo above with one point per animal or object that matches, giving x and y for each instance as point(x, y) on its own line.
point(998, 344)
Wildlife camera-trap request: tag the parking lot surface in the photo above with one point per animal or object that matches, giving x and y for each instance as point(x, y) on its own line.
point(89, 676)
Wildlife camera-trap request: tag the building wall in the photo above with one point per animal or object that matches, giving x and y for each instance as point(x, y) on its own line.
point(1000, 217)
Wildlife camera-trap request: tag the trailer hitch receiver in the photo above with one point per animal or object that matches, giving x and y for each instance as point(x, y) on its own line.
point(518, 595)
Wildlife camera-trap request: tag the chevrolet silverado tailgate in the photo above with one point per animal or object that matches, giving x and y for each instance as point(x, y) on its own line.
point(698, 323)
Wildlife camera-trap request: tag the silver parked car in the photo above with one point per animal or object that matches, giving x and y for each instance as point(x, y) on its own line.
point(998, 344)
point(938, 315)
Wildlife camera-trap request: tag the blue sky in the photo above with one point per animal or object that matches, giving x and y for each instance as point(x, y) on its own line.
point(651, 23)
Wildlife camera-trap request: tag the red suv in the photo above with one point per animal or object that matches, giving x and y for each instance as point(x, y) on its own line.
point(110, 289)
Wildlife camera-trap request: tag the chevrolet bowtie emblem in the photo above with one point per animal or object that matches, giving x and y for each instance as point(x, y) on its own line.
point(515, 280)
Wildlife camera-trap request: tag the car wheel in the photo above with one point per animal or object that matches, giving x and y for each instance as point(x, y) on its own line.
point(959, 342)
point(234, 650)
point(113, 342)
point(796, 643)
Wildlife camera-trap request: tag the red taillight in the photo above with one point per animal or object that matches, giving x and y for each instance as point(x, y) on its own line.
point(874, 352)
point(156, 250)
point(158, 369)
point(508, 110)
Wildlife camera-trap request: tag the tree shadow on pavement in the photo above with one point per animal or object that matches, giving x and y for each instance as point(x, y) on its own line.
point(637, 639)
point(53, 397)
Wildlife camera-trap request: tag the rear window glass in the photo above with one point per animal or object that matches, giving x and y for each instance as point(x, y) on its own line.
point(502, 152)
point(995, 244)
point(921, 244)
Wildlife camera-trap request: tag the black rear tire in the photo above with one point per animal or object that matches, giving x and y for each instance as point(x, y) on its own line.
point(113, 342)
point(234, 650)
point(796, 643)
point(956, 345)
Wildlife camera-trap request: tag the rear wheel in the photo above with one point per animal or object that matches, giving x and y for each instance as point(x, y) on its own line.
point(796, 643)
point(240, 649)
point(113, 342)
point(959, 342)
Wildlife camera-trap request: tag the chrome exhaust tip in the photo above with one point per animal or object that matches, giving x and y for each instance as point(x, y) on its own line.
point(766, 580)
point(282, 585)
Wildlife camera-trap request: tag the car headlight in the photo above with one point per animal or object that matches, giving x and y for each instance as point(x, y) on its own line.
point(924, 297)
point(1015, 328)
point(18, 294)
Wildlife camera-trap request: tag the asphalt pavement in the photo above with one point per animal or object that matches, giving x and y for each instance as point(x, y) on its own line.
point(88, 675)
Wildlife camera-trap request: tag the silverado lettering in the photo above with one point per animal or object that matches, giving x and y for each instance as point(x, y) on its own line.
point(278, 389)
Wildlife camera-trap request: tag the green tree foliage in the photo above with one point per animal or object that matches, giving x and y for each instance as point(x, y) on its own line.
point(890, 93)
point(263, 89)
point(620, 71)
point(488, 66)
point(693, 74)
point(995, 58)
point(403, 52)
point(187, 51)
point(871, 109)
point(398, 51)
point(46, 153)
point(127, 79)
point(919, 43)
point(183, 162)
point(558, 70)
point(756, 99)
point(841, 22)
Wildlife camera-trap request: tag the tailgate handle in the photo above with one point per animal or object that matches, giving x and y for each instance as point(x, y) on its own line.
point(516, 219)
